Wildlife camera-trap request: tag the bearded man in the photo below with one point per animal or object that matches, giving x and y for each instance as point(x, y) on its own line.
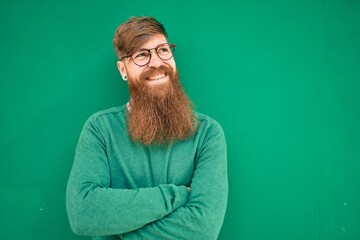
point(153, 168)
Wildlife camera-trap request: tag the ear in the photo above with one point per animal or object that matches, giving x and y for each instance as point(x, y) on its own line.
point(122, 69)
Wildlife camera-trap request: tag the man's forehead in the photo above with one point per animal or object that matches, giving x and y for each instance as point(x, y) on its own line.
point(154, 41)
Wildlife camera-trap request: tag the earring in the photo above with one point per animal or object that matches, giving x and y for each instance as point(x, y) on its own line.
point(125, 78)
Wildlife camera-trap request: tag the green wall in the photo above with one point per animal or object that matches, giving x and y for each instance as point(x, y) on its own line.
point(282, 77)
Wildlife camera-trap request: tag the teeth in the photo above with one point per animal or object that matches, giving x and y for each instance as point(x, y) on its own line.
point(157, 77)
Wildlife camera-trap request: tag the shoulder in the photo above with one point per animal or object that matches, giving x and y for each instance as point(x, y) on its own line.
point(111, 118)
point(110, 113)
point(205, 120)
point(106, 122)
point(208, 124)
point(210, 134)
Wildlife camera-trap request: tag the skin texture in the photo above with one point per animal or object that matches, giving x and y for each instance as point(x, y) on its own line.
point(129, 69)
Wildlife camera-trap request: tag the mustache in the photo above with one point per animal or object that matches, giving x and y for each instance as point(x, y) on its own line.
point(151, 71)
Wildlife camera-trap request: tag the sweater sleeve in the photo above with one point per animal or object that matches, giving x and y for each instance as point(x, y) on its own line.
point(203, 215)
point(96, 209)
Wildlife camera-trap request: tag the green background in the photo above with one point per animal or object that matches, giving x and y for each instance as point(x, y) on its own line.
point(282, 78)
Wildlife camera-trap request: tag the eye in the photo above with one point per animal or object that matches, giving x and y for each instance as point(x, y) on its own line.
point(163, 49)
point(141, 54)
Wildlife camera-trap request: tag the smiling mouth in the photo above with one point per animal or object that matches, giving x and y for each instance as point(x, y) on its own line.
point(156, 77)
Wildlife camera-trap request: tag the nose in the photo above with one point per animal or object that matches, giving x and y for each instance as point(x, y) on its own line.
point(155, 61)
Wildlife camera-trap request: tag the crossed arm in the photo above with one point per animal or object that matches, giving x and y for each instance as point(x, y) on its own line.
point(171, 211)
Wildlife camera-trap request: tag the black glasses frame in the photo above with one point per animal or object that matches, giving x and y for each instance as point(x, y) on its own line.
point(171, 46)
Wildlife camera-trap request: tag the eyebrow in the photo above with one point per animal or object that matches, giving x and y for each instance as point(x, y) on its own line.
point(151, 48)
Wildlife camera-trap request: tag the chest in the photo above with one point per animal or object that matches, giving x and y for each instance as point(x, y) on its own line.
point(136, 166)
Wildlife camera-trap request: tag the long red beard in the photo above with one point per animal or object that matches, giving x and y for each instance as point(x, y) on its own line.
point(161, 114)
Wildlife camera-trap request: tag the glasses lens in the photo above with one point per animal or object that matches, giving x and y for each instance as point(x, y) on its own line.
point(165, 51)
point(141, 57)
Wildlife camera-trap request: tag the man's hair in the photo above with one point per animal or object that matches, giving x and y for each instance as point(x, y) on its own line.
point(130, 35)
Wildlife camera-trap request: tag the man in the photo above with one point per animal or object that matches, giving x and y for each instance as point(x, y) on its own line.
point(153, 168)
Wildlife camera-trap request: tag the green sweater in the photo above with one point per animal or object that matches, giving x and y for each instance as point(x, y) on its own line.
point(119, 189)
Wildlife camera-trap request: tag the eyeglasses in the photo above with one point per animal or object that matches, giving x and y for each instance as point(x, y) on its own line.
point(142, 56)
